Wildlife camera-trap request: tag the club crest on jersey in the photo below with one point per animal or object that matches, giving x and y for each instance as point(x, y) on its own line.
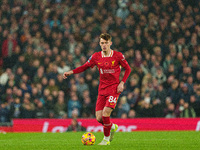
point(89, 59)
point(113, 62)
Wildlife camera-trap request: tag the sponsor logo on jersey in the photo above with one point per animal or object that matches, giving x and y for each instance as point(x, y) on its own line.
point(108, 71)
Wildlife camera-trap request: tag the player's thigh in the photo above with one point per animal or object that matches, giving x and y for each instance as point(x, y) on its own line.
point(107, 111)
point(101, 102)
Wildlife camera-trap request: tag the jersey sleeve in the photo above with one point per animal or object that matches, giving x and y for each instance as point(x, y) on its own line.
point(88, 64)
point(125, 65)
point(91, 61)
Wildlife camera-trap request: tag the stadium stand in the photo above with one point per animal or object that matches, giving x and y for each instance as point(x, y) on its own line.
point(41, 39)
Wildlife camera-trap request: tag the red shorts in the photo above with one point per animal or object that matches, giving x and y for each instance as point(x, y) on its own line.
point(106, 101)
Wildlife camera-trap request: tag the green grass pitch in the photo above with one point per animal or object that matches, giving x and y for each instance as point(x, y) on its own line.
point(167, 140)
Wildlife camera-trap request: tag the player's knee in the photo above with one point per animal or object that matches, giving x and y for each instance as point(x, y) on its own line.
point(99, 119)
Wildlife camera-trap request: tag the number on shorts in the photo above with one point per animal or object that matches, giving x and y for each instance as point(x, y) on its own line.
point(112, 99)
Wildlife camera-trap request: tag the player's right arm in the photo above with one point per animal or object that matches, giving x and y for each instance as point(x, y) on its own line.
point(68, 73)
point(88, 64)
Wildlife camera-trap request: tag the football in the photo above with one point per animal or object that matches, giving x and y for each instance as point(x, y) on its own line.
point(88, 138)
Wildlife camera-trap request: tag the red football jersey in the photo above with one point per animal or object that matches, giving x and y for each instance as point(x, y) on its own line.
point(109, 70)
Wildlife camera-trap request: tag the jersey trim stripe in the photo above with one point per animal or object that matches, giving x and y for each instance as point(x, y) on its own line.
point(110, 55)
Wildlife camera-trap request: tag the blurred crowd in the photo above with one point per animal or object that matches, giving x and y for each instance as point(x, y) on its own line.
point(41, 39)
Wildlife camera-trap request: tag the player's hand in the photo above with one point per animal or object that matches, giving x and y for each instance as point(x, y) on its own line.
point(66, 74)
point(120, 87)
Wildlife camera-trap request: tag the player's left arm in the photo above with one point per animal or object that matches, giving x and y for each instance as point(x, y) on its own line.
point(127, 68)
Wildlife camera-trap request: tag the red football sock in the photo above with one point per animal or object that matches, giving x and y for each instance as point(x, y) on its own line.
point(106, 125)
point(101, 122)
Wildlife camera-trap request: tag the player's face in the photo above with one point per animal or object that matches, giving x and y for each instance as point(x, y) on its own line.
point(105, 45)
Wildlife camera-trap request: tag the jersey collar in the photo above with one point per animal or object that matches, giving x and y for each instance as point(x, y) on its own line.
point(110, 55)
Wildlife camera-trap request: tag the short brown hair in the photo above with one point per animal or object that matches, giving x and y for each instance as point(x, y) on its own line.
point(105, 36)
